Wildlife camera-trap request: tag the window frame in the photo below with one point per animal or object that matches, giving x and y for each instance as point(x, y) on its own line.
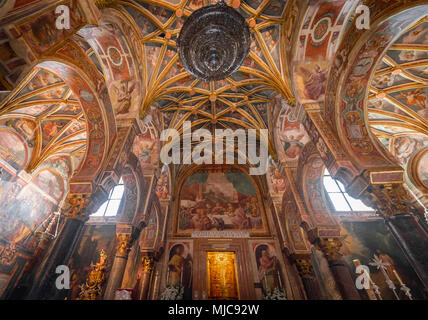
point(344, 194)
point(108, 202)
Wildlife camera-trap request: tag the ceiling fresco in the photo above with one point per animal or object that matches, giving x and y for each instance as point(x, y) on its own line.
point(239, 101)
point(398, 97)
point(46, 113)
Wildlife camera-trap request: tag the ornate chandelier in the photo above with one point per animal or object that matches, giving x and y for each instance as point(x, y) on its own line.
point(214, 42)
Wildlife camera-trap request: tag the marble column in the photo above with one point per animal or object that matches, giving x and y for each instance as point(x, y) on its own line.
point(331, 247)
point(124, 237)
point(147, 268)
point(306, 272)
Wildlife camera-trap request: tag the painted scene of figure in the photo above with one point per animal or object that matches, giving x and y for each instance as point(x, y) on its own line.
point(268, 267)
point(219, 201)
point(180, 267)
point(370, 243)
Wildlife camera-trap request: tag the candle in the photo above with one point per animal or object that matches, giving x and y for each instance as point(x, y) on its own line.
point(279, 279)
point(398, 278)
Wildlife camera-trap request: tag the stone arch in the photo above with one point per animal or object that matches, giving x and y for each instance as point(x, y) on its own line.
point(346, 94)
point(12, 141)
point(311, 190)
point(101, 128)
point(115, 52)
point(417, 172)
point(295, 232)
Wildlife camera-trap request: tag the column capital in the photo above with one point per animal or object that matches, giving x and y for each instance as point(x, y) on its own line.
point(77, 205)
point(124, 237)
point(330, 247)
point(147, 261)
point(304, 265)
point(384, 191)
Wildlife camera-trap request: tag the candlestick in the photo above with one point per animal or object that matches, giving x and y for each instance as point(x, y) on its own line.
point(397, 276)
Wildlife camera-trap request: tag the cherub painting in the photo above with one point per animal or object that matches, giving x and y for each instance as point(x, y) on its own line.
point(417, 35)
point(314, 82)
point(291, 138)
point(123, 92)
point(145, 148)
point(405, 146)
point(415, 98)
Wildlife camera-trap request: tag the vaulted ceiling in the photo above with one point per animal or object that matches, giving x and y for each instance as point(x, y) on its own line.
point(45, 112)
point(398, 98)
point(239, 101)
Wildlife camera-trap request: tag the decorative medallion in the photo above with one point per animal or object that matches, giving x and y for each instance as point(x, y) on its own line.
point(214, 42)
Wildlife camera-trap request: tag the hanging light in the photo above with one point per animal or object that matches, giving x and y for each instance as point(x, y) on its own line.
point(214, 42)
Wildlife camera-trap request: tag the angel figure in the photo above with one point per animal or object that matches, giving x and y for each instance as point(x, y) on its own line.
point(124, 95)
point(416, 97)
point(418, 34)
point(292, 145)
point(315, 82)
point(384, 80)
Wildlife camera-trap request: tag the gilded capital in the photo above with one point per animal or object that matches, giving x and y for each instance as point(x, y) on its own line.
point(123, 243)
point(330, 247)
point(76, 205)
point(388, 198)
point(304, 266)
point(148, 262)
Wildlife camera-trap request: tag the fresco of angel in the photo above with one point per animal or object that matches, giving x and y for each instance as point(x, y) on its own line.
point(315, 82)
point(124, 95)
point(415, 98)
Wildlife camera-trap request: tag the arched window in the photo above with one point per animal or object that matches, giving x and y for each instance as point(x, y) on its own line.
point(342, 201)
point(111, 206)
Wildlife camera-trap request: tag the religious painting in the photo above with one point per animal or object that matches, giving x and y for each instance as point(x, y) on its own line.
point(129, 206)
point(405, 146)
point(60, 164)
point(415, 99)
point(150, 232)
point(268, 266)
point(95, 238)
point(290, 135)
point(22, 210)
point(373, 245)
point(222, 276)
point(146, 146)
point(311, 81)
point(180, 267)
point(217, 201)
point(162, 185)
point(13, 149)
point(40, 32)
point(275, 178)
point(51, 183)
